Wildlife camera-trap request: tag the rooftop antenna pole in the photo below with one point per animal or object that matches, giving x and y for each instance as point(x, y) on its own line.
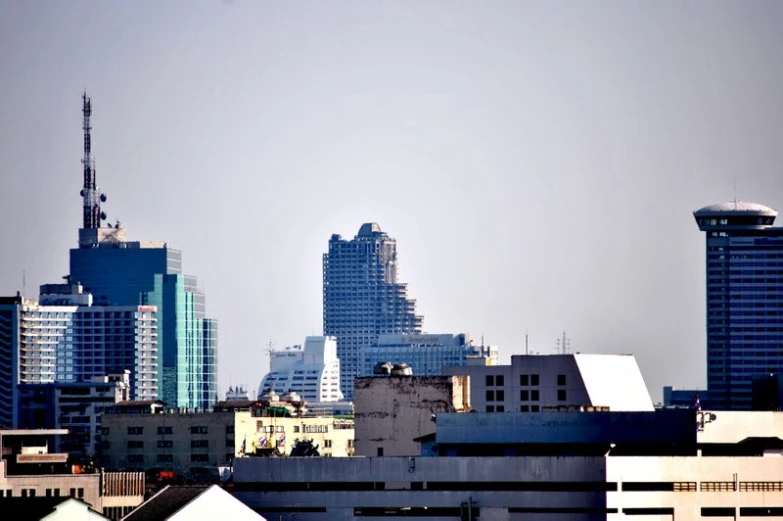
point(24, 283)
point(735, 190)
point(91, 206)
point(527, 350)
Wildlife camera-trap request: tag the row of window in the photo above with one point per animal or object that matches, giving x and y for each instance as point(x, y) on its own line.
point(50, 492)
point(138, 431)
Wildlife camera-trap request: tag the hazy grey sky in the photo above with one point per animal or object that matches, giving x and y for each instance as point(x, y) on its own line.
point(537, 162)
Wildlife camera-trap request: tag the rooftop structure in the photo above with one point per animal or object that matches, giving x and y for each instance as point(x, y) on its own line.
point(184, 503)
point(744, 290)
point(533, 382)
point(363, 299)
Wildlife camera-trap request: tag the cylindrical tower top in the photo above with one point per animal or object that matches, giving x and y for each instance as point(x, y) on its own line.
point(734, 215)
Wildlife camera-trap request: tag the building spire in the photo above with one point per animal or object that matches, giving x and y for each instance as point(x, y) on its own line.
point(92, 214)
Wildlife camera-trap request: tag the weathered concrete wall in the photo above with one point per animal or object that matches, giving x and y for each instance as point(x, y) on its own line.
point(391, 411)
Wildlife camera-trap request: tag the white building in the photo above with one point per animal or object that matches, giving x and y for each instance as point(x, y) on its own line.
point(428, 354)
point(312, 371)
point(192, 503)
point(534, 382)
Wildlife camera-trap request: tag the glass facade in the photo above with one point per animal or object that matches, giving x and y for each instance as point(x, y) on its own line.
point(744, 300)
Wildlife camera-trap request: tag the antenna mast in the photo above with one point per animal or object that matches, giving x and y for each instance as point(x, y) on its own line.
point(92, 214)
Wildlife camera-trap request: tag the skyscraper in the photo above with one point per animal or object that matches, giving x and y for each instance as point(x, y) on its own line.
point(362, 298)
point(744, 299)
point(118, 272)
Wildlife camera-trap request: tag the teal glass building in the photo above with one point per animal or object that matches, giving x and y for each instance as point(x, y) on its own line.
point(120, 273)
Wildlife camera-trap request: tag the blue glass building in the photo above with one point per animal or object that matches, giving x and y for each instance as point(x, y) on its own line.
point(744, 299)
point(119, 273)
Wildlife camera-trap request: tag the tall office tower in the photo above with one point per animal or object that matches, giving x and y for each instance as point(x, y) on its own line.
point(744, 299)
point(118, 272)
point(362, 299)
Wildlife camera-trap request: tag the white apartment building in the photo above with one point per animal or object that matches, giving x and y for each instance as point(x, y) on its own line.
point(312, 371)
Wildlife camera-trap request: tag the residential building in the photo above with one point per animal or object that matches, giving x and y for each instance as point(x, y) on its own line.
point(184, 440)
point(744, 283)
point(312, 372)
point(29, 470)
point(532, 383)
point(546, 466)
point(76, 407)
point(185, 503)
point(119, 272)
point(428, 354)
point(363, 299)
point(49, 509)
point(392, 411)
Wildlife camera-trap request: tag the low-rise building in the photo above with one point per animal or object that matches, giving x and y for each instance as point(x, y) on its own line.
point(76, 406)
point(188, 441)
point(392, 411)
point(534, 382)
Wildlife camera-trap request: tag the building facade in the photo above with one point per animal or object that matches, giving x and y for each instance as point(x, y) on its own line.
point(744, 280)
point(392, 411)
point(532, 383)
point(363, 299)
point(428, 354)
point(10, 309)
point(312, 371)
point(76, 407)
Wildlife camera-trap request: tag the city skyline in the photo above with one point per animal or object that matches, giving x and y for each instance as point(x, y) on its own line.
point(542, 159)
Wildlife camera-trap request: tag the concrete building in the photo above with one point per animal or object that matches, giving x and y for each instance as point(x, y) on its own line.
point(363, 299)
point(392, 411)
point(184, 441)
point(428, 354)
point(76, 407)
point(189, 503)
point(666, 464)
point(29, 470)
point(744, 289)
point(535, 382)
point(312, 371)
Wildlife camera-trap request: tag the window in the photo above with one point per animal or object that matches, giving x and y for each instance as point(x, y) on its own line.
point(56, 492)
point(524, 408)
point(165, 430)
point(533, 379)
point(229, 429)
point(523, 380)
point(524, 395)
point(499, 380)
point(135, 444)
point(717, 486)
point(199, 457)
point(80, 493)
point(500, 408)
point(534, 395)
point(379, 452)
point(105, 431)
point(72, 492)
point(135, 431)
point(165, 444)
point(199, 444)
point(296, 428)
point(490, 396)
point(561, 379)
point(561, 395)
point(534, 408)
point(198, 429)
point(490, 408)
point(328, 444)
point(490, 380)
point(279, 428)
point(135, 458)
point(500, 395)
point(32, 492)
point(165, 458)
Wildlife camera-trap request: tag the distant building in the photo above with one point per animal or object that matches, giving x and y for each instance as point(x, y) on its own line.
point(533, 383)
point(10, 310)
point(312, 372)
point(744, 299)
point(186, 503)
point(77, 407)
point(687, 398)
point(768, 393)
point(392, 411)
point(363, 299)
point(428, 354)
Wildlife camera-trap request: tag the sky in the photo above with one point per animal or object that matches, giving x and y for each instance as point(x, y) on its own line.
point(538, 162)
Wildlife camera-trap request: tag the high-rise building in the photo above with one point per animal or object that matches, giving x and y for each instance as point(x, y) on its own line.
point(363, 299)
point(312, 371)
point(10, 310)
point(744, 299)
point(118, 272)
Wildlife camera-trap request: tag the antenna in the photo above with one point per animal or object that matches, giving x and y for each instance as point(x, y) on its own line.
point(91, 207)
point(527, 350)
point(563, 345)
point(24, 283)
point(735, 190)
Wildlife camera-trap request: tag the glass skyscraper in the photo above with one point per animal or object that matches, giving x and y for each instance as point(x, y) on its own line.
point(363, 299)
point(744, 299)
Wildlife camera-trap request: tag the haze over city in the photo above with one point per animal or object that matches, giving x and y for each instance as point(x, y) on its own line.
point(538, 163)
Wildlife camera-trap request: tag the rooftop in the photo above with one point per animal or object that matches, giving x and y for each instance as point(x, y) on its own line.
point(165, 503)
point(737, 207)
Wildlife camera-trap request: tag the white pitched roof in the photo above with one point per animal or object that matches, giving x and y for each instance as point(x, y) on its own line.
point(614, 381)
